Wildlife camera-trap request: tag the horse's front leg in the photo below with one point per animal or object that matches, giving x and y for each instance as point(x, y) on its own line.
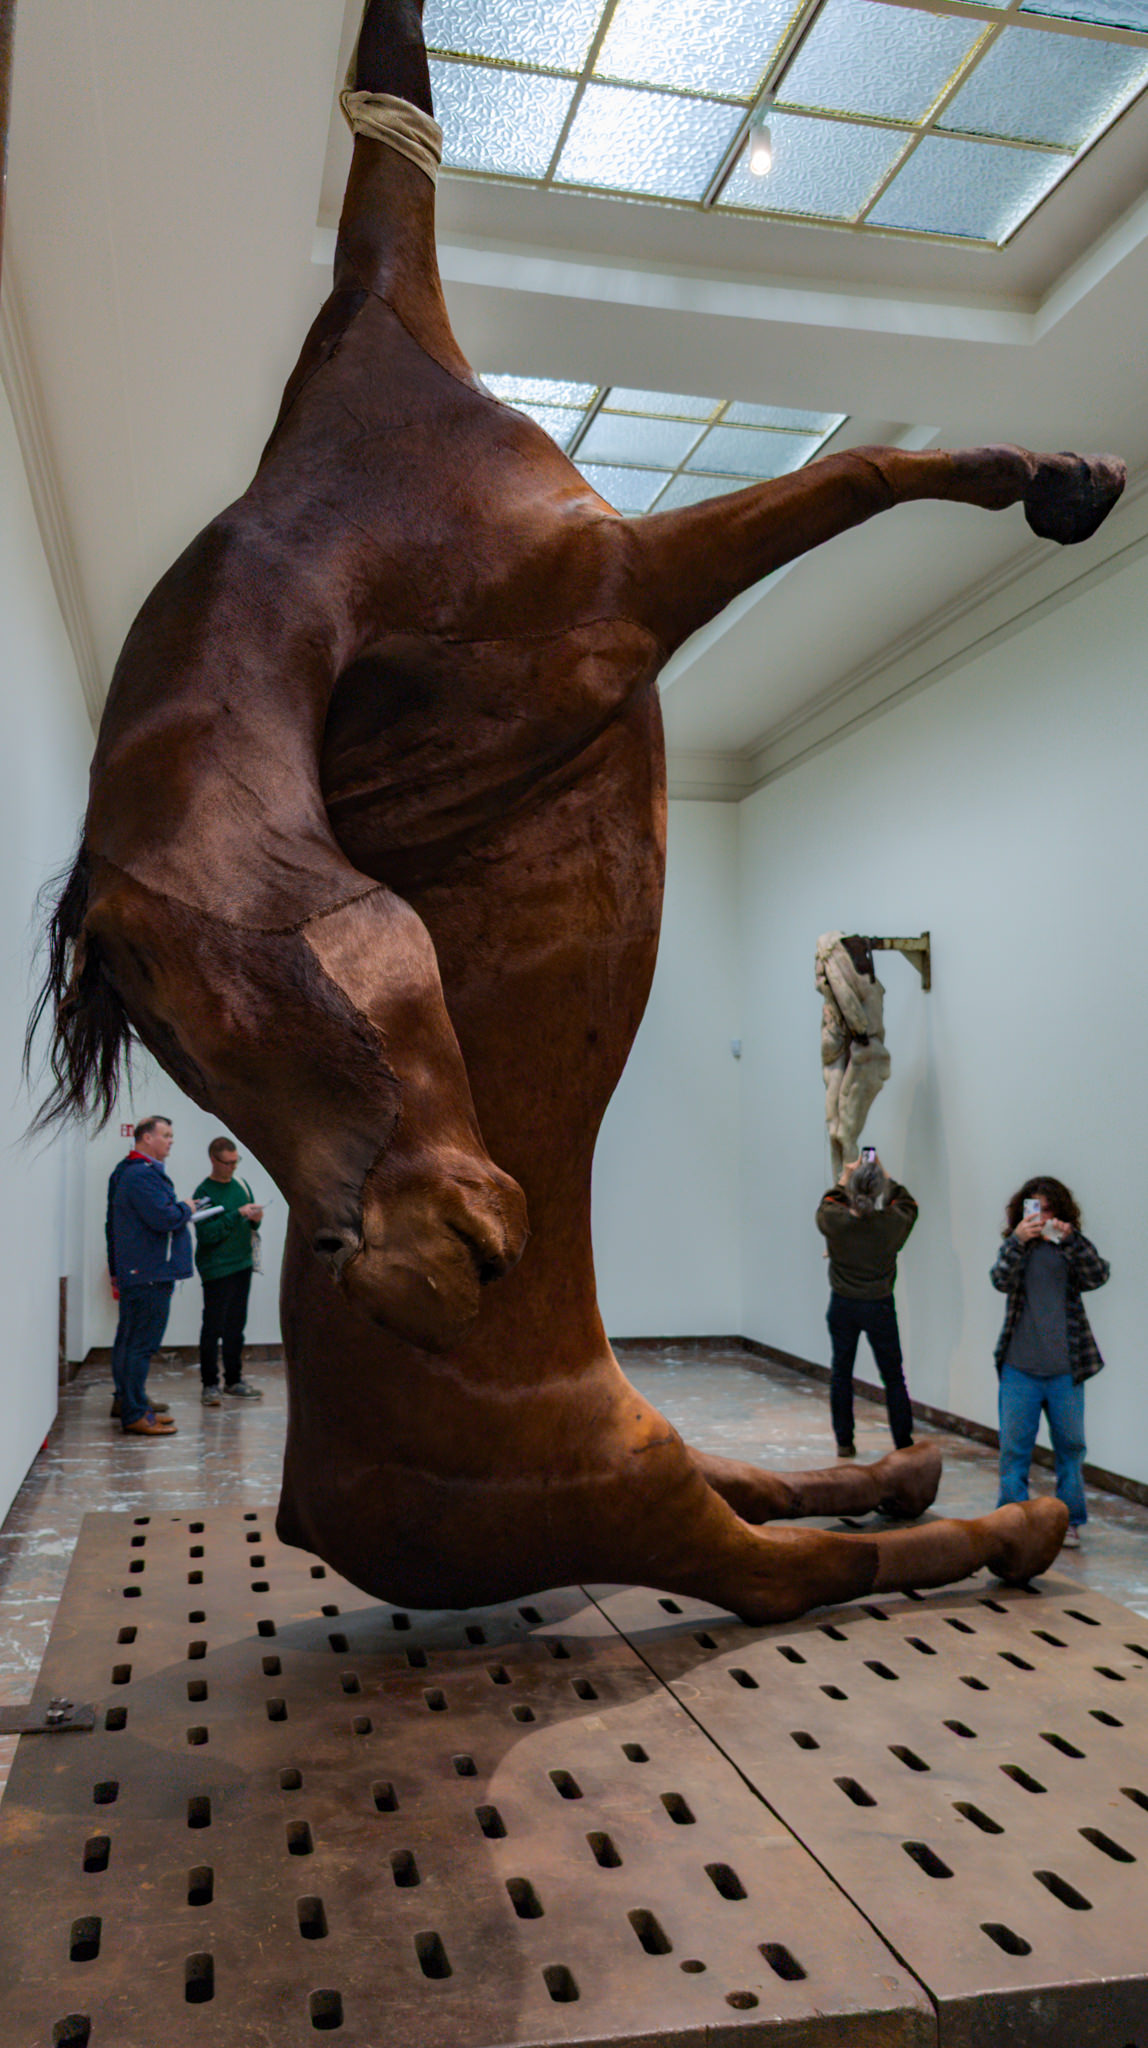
point(691, 564)
point(902, 1484)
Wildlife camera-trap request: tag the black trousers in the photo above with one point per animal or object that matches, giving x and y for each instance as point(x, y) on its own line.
point(224, 1321)
point(878, 1319)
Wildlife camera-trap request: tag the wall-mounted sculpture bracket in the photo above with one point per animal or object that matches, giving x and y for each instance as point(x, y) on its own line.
point(917, 950)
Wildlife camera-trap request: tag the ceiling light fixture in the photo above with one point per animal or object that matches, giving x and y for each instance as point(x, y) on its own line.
point(760, 149)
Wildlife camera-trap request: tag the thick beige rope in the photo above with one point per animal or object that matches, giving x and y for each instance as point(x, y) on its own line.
point(403, 127)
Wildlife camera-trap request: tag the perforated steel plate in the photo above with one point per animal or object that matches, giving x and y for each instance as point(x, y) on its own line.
point(301, 1813)
point(973, 1769)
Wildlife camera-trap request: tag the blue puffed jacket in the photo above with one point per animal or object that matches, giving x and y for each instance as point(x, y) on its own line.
point(149, 1226)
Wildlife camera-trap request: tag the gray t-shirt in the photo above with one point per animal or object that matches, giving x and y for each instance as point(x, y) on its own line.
point(1040, 1341)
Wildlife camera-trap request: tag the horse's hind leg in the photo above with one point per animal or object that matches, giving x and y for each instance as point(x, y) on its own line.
point(902, 1484)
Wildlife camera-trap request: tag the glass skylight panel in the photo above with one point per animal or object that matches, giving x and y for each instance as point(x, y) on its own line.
point(739, 414)
point(560, 422)
point(627, 490)
point(646, 142)
point(742, 452)
point(979, 189)
point(862, 57)
point(553, 34)
point(693, 490)
point(621, 399)
point(538, 390)
point(614, 437)
point(1046, 88)
point(827, 168)
point(1109, 13)
point(682, 43)
point(505, 122)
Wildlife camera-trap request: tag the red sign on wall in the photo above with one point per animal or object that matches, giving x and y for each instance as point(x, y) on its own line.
point(127, 1130)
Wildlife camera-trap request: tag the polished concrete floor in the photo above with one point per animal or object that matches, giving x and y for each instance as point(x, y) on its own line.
point(773, 1416)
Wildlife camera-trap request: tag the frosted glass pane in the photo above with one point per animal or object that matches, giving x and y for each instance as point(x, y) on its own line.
point(1046, 88)
point(864, 58)
point(622, 399)
point(679, 43)
point(501, 121)
point(966, 188)
point(691, 490)
point(646, 142)
point(741, 415)
point(627, 490)
point(553, 33)
point(744, 453)
point(538, 390)
point(1113, 13)
point(828, 168)
point(663, 443)
point(559, 423)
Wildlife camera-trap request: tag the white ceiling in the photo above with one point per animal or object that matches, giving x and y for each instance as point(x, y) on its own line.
point(173, 182)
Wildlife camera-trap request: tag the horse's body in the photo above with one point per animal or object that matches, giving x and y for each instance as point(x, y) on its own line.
point(387, 733)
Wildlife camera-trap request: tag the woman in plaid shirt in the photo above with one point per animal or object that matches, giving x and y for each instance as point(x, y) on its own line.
point(1046, 1349)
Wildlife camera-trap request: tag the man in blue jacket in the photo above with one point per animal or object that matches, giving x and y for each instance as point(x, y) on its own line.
point(151, 1246)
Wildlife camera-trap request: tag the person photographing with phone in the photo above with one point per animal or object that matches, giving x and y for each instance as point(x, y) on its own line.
point(1046, 1349)
point(865, 1219)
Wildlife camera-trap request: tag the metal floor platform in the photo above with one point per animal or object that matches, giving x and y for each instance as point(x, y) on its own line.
point(622, 1819)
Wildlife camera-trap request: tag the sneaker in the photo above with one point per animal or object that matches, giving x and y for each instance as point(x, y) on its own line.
point(154, 1408)
point(1072, 1537)
point(245, 1391)
point(150, 1425)
point(210, 1398)
point(846, 1450)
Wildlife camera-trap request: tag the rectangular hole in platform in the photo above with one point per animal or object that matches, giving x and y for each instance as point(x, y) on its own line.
point(97, 1850)
point(725, 1881)
point(705, 1641)
point(1075, 1614)
point(1022, 1778)
point(105, 1791)
point(1056, 1642)
point(199, 1979)
point(836, 1635)
point(400, 1621)
point(318, 1571)
point(491, 1822)
point(961, 1728)
point(743, 1678)
point(349, 1682)
point(115, 1719)
point(465, 1766)
point(1109, 1720)
point(919, 1643)
point(964, 1628)
point(1012, 1944)
point(384, 1795)
point(339, 1643)
point(524, 1898)
point(252, 1536)
point(671, 1606)
point(498, 1674)
point(881, 1670)
point(834, 1692)
point(855, 1792)
point(195, 1528)
point(197, 1736)
point(276, 1709)
point(131, 1592)
point(1137, 1798)
point(650, 1932)
point(300, 1841)
point(431, 1952)
point(1105, 1844)
point(926, 1859)
point(196, 1616)
point(128, 1634)
point(678, 1809)
point(195, 1578)
point(560, 1983)
point(908, 1757)
point(84, 1940)
point(1010, 1657)
point(878, 1613)
point(911, 1594)
point(557, 1647)
point(791, 1655)
point(417, 1658)
point(783, 1964)
point(523, 1713)
point(1059, 1742)
point(475, 1634)
point(250, 1515)
point(257, 1563)
point(635, 1753)
point(140, 1521)
point(983, 1821)
point(565, 1785)
point(584, 1689)
point(312, 1918)
point(604, 1851)
point(803, 1739)
point(137, 1542)
point(974, 1684)
point(290, 1780)
point(260, 1586)
point(1106, 1671)
point(531, 1615)
point(435, 1699)
point(1137, 1650)
point(997, 1606)
point(199, 1810)
point(121, 1674)
point(197, 1649)
point(200, 1885)
point(195, 1550)
point(329, 1612)
point(137, 1565)
point(272, 1667)
point(326, 2010)
point(73, 2031)
point(1062, 1890)
point(197, 1689)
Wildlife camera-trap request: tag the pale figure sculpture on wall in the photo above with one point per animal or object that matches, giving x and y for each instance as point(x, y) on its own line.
point(373, 866)
point(854, 1058)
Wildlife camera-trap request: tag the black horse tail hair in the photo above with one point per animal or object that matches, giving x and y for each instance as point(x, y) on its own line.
point(91, 1036)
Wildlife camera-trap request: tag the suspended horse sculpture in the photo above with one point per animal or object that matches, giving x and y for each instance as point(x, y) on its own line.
point(373, 867)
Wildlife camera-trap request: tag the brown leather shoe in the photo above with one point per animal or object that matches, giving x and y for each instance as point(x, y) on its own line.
point(150, 1425)
point(157, 1408)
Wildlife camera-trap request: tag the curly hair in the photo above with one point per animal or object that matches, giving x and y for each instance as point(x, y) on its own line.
point(1060, 1199)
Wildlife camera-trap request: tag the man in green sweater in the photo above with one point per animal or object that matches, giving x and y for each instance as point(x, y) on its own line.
point(865, 1220)
point(224, 1254)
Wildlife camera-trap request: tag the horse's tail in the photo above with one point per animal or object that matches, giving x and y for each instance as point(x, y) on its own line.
point(91, 1035)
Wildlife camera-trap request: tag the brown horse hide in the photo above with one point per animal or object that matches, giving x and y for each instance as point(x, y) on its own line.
point(373, 865)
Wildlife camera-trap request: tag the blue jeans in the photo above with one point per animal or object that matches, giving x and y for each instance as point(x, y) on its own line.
point(1022, 1397)
point(139, 1332)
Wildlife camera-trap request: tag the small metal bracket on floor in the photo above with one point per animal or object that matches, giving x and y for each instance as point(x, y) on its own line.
point(59, 1717)
point(917, 950)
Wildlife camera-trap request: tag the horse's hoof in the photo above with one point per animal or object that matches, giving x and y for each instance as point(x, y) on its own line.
point(912, 1477)
point(1028, 1536)
point(1071, 495)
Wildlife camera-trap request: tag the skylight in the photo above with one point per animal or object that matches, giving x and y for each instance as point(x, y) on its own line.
point(646, 451)
point(952, 120)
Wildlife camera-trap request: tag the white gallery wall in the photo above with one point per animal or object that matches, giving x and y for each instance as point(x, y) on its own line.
point(1004, 810)
point(45, 741)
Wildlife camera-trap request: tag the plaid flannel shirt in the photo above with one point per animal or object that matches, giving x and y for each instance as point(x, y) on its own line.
point(1086, 1269)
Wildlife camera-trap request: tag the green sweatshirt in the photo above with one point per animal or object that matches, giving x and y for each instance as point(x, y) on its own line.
point(223, 1243)
point(863, 1249)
